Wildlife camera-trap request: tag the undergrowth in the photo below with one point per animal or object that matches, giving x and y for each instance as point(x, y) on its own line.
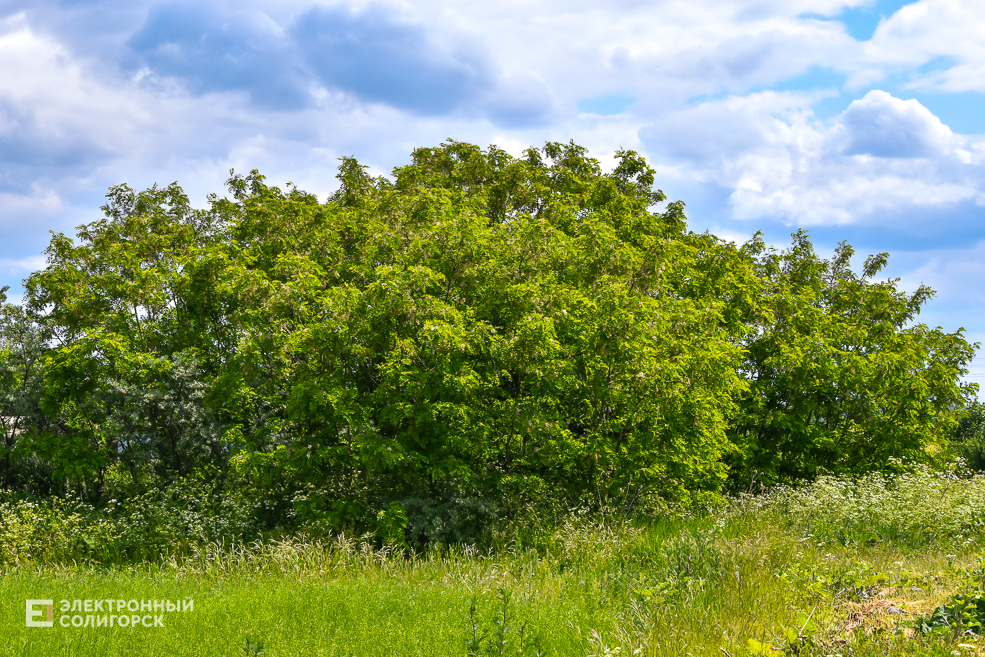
point(878, 565)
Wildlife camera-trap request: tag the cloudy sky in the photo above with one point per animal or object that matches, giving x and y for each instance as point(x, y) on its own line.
point(860, 120)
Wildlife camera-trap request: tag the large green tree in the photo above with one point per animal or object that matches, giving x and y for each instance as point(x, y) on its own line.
point(138, 336)
point(476, 333)
point(486, 324)
point(842, 377)
point(22, 345)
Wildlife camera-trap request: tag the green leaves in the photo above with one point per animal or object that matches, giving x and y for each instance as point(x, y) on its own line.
point(485, 317)
point(477, 325)
point(842, 377)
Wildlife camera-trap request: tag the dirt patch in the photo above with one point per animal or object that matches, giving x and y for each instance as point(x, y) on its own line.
point(881, 615)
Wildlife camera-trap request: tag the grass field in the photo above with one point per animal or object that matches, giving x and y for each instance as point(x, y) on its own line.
point(841, 568)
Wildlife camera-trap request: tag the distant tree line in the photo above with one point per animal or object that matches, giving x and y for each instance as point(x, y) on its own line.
point(476, 335)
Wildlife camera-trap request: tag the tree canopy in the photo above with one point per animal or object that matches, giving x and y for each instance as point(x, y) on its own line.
point(474, 334)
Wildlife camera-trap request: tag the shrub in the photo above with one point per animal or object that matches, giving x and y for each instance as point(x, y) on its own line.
point(968, 440)
point(915, 508)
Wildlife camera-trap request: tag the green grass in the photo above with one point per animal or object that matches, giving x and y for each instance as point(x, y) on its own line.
point(285, 616)
point(862, 559)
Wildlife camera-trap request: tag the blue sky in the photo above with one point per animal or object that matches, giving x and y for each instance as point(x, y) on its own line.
point(858, 120)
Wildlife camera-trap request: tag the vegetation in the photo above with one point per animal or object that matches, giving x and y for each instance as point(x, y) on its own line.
point(431, 356)
point(489, 406)
point(968, 441)
point(781, 574)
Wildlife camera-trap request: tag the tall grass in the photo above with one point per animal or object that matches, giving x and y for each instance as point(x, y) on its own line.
point(839, 551)
point(919, 508)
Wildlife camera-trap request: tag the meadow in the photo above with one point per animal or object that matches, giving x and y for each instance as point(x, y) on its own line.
point(839, 567)
point(489, 405)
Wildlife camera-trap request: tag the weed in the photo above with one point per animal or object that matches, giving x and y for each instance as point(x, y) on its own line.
point(916, 508)
point(500, 636)
point(964, 613)
point(253, 649)
point(766, 568)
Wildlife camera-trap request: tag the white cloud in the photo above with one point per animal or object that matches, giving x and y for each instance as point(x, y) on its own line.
point(23, 266)
point(881, 125)
point(882, 154)
point(734, 236)
point(948, 32)
point(947, 271)
point(40, 201)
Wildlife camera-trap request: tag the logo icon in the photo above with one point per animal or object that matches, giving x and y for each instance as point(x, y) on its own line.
point(47, 609)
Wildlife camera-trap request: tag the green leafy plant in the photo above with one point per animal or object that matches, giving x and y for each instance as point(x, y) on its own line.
point(500, 635)
point(917, 506)
point(391, 525)
point(968, 439)
point(253, 648)
point(476, 337)
point(964, 613)
point(795, 640)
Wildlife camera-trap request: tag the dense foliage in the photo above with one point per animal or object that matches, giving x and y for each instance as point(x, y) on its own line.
point(877, 565)
point(478, 335)
point(841, 376)
point(968, 441)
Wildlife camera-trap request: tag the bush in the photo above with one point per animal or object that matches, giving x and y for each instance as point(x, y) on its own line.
point(915, 508)
point(175, 519)
point(54, 530)
point(465, 339)
point(151, 526)
point(968, 440)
